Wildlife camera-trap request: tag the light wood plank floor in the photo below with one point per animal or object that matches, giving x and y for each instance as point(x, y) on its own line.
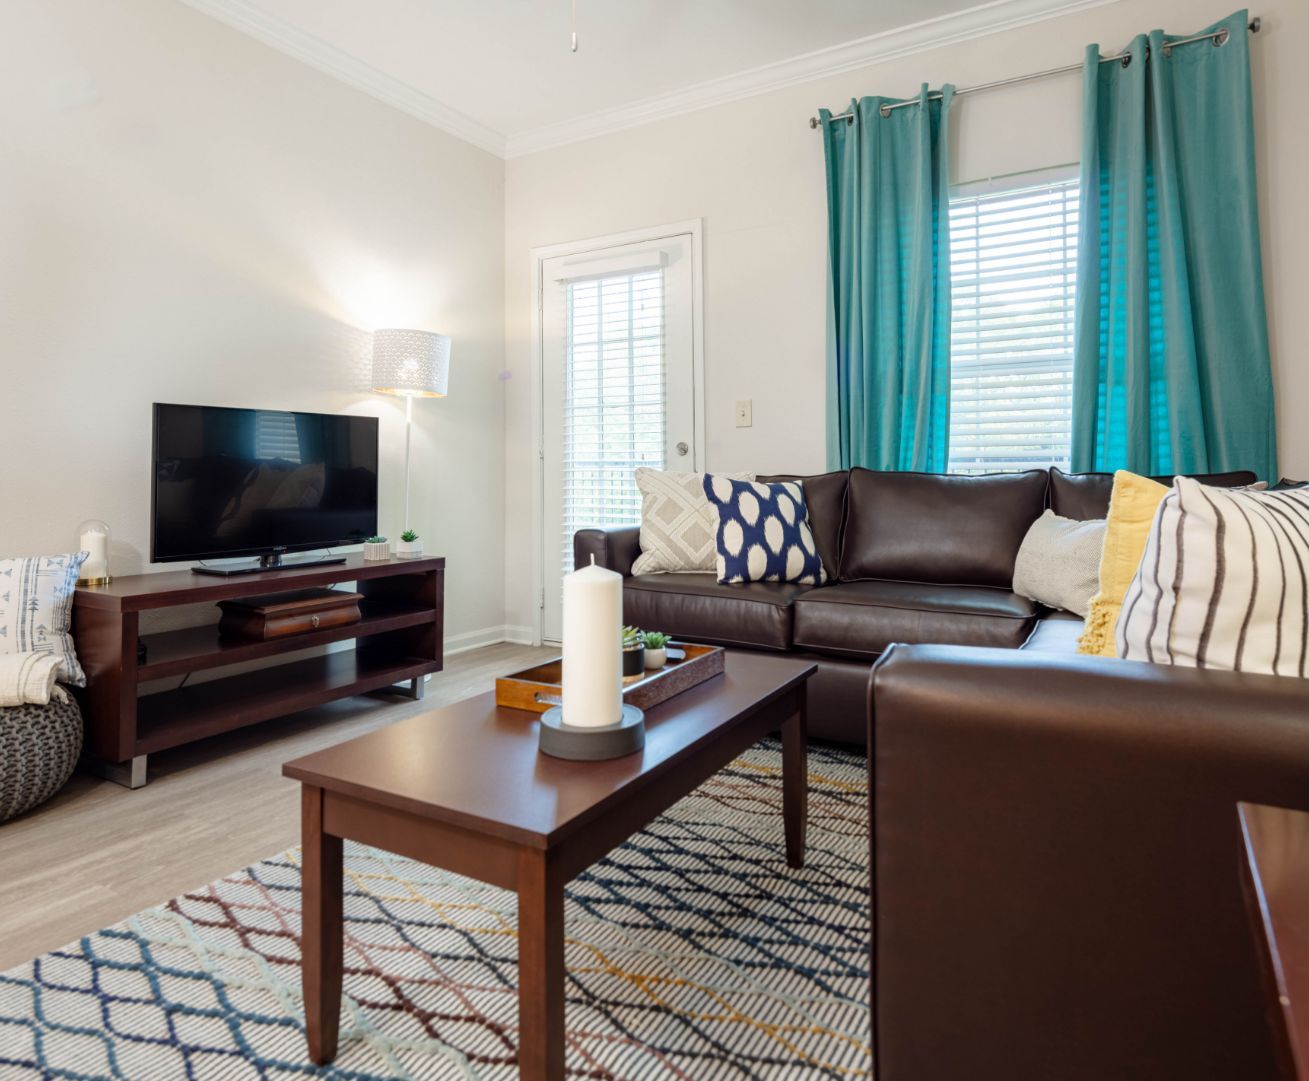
point(98, 852)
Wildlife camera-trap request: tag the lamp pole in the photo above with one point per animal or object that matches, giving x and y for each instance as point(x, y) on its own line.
point(409, 424)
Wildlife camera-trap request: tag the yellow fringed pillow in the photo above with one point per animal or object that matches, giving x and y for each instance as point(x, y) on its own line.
point(1132, 507)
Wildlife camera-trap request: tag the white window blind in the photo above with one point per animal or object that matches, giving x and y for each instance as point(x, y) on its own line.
point(614, 398)
point(276, 436)
point(1013, 255)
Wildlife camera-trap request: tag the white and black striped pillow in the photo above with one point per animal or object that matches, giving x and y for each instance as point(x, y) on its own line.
point(1224, 582)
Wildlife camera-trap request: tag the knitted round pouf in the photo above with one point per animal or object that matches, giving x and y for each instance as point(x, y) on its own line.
point(39, 746)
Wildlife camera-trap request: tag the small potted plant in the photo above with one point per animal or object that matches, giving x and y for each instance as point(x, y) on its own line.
point(656, 649)
point(376, 548)
point(633, 652)
point(410, 547)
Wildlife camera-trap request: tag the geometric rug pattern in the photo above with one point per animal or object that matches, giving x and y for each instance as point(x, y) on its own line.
point(693, 952)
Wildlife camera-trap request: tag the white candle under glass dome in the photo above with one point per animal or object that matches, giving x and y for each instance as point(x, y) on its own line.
point(93, 539)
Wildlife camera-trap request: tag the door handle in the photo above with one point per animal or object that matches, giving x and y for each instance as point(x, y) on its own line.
point(682, 448)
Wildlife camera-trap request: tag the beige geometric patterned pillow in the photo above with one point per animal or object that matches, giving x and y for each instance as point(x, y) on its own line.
point(677, 522)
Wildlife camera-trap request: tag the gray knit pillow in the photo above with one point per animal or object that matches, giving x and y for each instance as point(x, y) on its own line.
point(1058, 563)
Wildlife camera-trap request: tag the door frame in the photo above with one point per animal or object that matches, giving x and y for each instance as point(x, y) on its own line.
point(692, 226)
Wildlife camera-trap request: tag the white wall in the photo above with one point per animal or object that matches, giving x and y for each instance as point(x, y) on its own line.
point(753, 170)
point(187, 215)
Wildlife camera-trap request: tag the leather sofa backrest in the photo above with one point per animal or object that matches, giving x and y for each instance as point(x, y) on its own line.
point(1083, 496)
point(931, 527)
point(824, 495)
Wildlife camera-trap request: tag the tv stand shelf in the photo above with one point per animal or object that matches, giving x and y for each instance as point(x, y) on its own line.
point(398, 638)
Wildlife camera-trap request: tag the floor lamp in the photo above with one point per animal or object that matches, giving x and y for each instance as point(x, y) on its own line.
point(412, 364)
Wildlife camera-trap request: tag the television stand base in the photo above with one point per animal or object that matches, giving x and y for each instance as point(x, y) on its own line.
point(265, 565)
point(397, 642)
point(129, 774)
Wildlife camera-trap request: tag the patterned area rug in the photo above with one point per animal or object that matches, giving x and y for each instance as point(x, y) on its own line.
point(692, 952)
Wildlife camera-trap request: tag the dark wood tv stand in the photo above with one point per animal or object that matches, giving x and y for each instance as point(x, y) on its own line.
point(398, 639)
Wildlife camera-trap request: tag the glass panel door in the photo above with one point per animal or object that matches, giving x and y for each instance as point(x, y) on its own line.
point(618, 390)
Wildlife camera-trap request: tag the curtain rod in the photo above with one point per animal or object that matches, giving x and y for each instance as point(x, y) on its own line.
point(1218, 37)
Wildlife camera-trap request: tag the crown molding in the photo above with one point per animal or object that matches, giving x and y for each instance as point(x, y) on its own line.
point(976, 22)
point(332, 61)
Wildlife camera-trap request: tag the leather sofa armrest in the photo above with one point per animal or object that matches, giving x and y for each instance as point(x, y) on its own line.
point(1055, 854)
point(615, 548)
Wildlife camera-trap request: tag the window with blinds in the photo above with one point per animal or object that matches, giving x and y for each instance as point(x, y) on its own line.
point(614, 398)
point(1013, 255)
point(276, 436)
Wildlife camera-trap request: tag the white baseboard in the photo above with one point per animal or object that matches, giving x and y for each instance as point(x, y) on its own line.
point(487, 636)
point(468, 640)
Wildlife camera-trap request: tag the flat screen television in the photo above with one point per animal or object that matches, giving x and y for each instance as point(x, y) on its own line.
point(259, 482)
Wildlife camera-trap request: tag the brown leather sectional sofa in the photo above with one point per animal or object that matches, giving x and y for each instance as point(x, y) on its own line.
point(1055, 858)
point(910, 558)
point(1054, 843)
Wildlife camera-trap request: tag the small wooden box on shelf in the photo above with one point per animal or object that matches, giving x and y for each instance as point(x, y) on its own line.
point(398, 637)
point(276, 615)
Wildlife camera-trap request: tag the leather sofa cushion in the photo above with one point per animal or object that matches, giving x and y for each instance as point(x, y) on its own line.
point(934, 527)
point(696, 607)
point(824, 496)
point(1083, 496)
point(860, 619)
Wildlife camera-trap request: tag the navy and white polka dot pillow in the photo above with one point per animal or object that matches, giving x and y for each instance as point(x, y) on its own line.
point(763, 532)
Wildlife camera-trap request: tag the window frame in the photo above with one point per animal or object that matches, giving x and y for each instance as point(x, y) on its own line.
point(1066, 179)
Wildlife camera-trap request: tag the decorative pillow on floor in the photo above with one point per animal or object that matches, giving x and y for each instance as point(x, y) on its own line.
point(763, 532)
point(1058, 564)
point(1222, 583)
point(36, 602)
point(677, 522)
point(1131, 511)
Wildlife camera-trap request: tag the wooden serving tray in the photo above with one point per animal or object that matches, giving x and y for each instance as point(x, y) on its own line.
point(539, 688)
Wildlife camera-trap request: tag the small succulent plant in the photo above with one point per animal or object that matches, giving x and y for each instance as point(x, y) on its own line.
point(409, 536)
point(376, 540)
point(631, 638)
point(655, 639)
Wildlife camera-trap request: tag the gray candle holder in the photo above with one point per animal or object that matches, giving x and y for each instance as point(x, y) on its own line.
point(591, 744)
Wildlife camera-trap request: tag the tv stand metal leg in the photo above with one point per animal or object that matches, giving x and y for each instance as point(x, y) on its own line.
point(129, 774)
point(417, 687)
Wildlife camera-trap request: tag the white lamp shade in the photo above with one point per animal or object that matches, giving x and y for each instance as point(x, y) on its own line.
point(411, 363)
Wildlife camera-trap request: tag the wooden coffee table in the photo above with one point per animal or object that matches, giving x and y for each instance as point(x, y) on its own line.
point(465, 788)
point(1275, 876)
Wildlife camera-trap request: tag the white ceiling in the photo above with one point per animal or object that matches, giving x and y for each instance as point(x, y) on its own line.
point(500, 72)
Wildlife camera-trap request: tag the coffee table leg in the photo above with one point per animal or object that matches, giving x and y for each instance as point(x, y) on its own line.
point(795, 782)
point(322, 942)
point(540, 968)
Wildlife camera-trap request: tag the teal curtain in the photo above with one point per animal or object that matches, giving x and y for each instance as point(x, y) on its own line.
point(888, 311)
point(1171, 371)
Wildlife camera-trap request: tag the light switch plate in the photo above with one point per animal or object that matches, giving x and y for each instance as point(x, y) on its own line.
point(744, 409)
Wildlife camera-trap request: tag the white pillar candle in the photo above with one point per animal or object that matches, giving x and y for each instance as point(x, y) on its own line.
point(97, 562)
point(593, 647)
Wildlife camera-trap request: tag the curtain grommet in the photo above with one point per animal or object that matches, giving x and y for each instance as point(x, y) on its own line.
point(1220, 38)
point(885, 110)
point(1126, 60)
